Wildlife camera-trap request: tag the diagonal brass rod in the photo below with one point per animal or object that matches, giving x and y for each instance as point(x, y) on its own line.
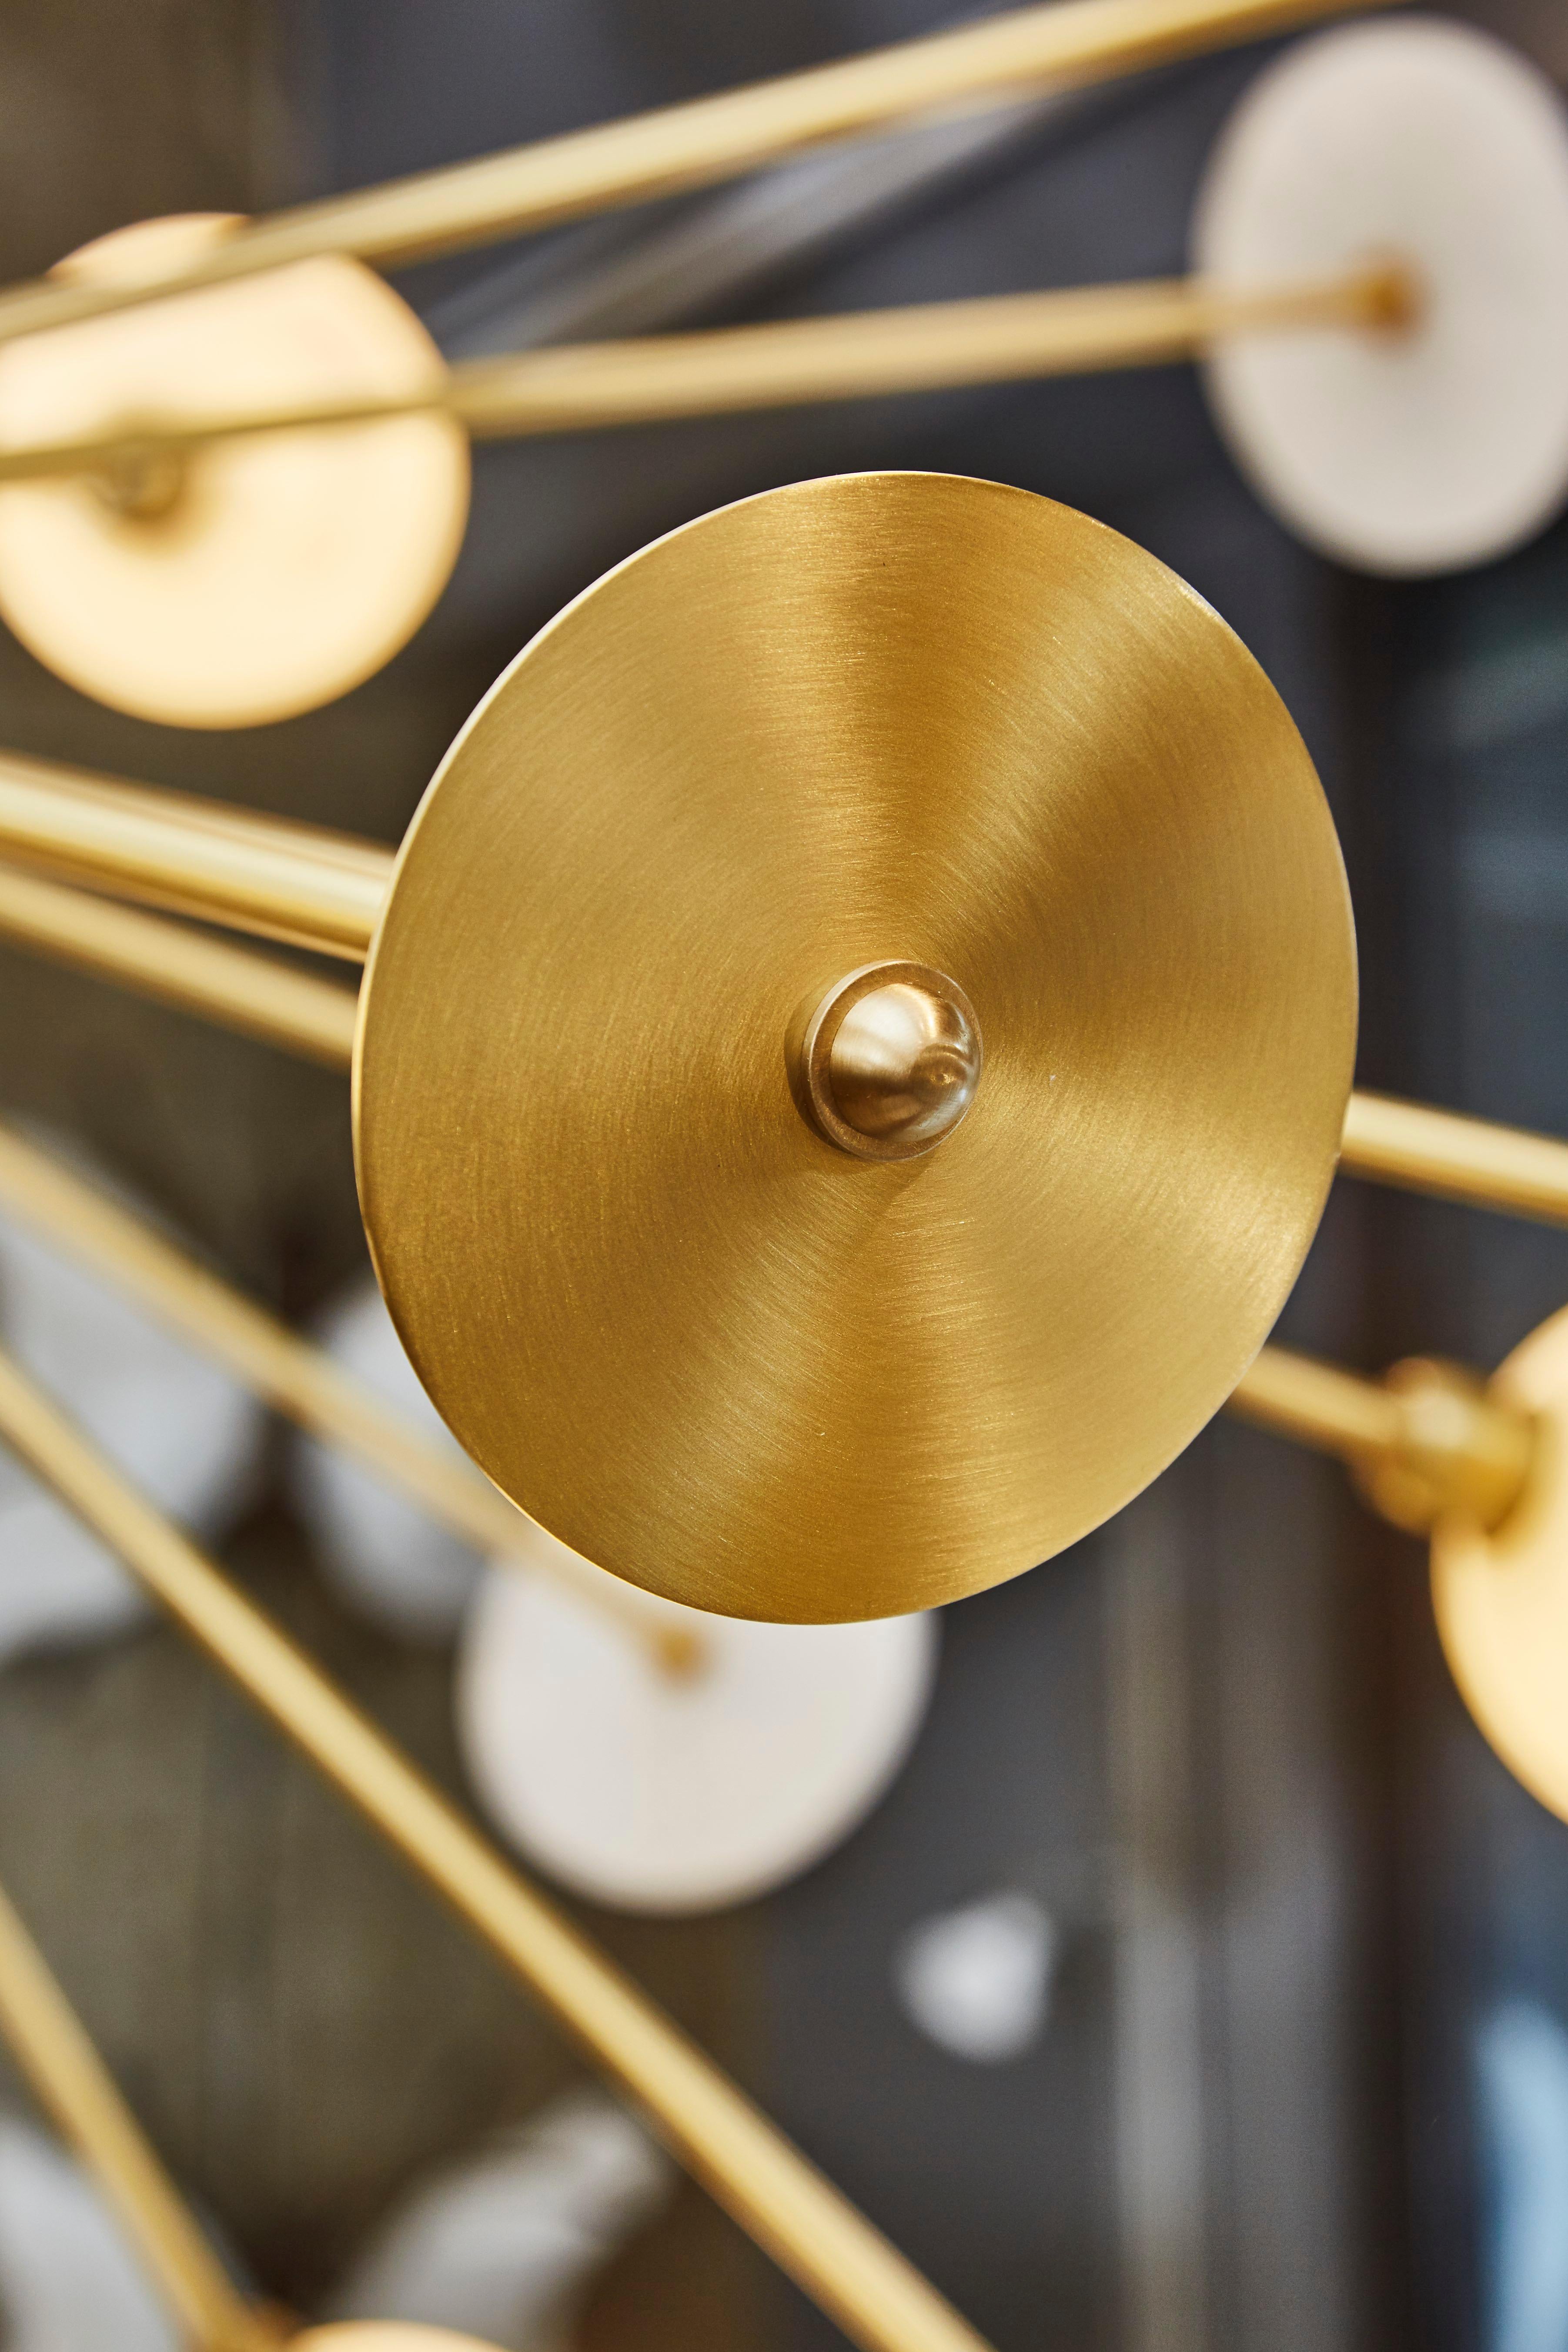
point(1471, 1161)
point(297, 883)
point(1335, 1412)
point(302, 1381)
point(1317, 1403)
point(233, 986)
point(129, 840)
point(924, 347)
point(829, 2249)
point(73, 2083)
point(1063, 45)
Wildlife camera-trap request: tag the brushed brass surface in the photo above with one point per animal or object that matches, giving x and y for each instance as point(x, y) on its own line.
point(891, 1060)
point(1425, 1442)
point(1063, 45)
point(888, 717)
point(1501, 1597)
point(297, 883)
point(1458, 1159)
point(848, 356)
point(880, 2300)
point(234, 986)
point(72, 2083)
point(301, 1380)
point(263, 577)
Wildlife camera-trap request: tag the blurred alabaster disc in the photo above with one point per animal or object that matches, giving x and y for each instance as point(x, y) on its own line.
point(287, 566)
point(672, 1793)
point(1501, 1599)
point(187, 1434)
point(386, 1556)
point(495, 2252)
point(1425, 142)
point(977, 1980)
point(504, 2245)
point(69, 2280)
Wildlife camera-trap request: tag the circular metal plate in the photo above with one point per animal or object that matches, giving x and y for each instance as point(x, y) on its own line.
point(1502, 1600)
point(676, 1794)
point(899, 717)
point(289, 566)
point(1427, 142)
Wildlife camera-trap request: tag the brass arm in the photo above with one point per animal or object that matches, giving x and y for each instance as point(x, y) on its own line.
point(233, 986)
point(1466, 1160)
point(326, 890)
point(828, 2248)
point(297, 883)
point(73, 2083)
point(301, 1380)
point(1064, 45)
point(568, 388)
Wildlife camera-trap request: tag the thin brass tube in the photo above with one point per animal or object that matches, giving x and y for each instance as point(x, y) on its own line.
point(72, 2083)
point(1458, 1159)
point(302, 1381)
point(829, 2249)
point(220, 863)
point(296, 883)
point(231, 985)
point(923, 347)
point(1064, 45)
point(1336, 1411)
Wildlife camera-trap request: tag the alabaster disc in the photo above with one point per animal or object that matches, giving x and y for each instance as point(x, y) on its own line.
point(1502, 1600)
point(654, 1792)
point(1414, 138)
point(289, 566)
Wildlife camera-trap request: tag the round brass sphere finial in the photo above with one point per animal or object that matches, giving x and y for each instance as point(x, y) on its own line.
point(891, 1059)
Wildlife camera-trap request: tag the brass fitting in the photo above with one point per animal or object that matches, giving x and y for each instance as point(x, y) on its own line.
point(1453, 1449)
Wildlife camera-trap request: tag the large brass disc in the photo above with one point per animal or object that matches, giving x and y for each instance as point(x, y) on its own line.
point(891, 718)
point(1501, 1599)
point(265, 575)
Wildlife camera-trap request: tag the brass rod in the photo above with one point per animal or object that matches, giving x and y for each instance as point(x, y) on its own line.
point(1063, 45)
point(302, 1381)
point(231, 985)
point(72, 2083)
point(1336, 1411)
point(923, 347)
point(220, 863)
point(296, 883)
point(816, 2235)
point(1458, 1159)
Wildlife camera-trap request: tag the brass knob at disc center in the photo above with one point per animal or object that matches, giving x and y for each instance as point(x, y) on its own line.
point(895, 718)
point(890, 1061)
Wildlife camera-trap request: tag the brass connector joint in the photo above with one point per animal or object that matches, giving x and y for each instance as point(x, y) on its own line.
point(1453, 1448)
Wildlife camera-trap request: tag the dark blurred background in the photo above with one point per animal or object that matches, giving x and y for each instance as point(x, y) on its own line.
point(1309, 1942)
